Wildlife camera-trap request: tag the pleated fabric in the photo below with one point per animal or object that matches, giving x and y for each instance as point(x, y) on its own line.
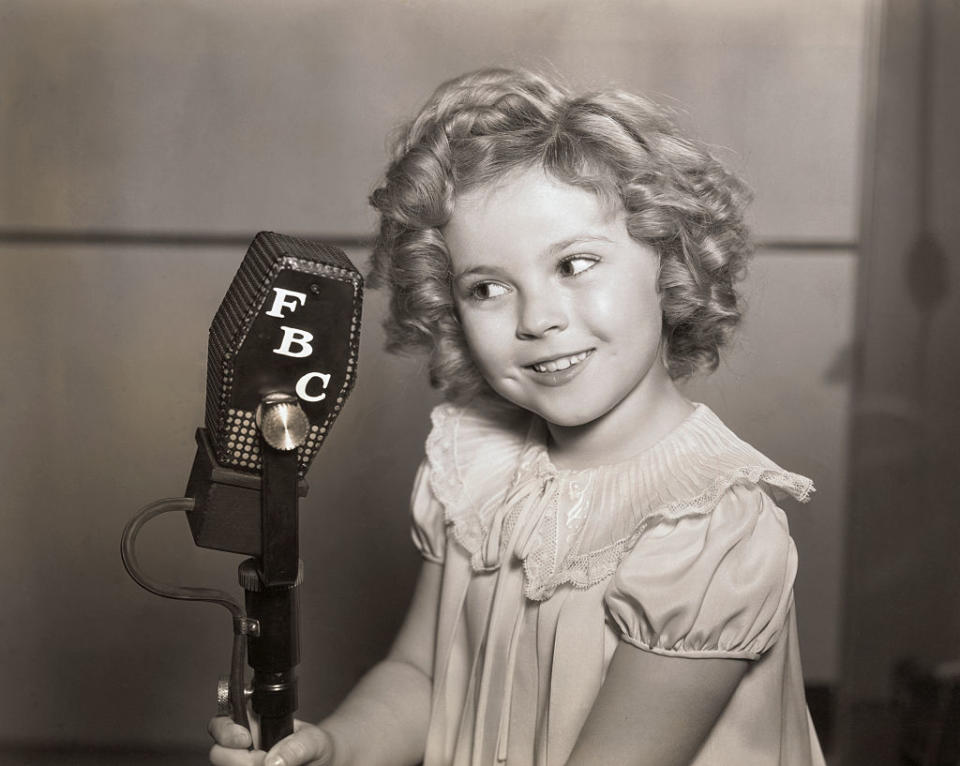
point(680, 551)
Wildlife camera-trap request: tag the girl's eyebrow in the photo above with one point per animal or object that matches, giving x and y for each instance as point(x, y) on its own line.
point(485, 270)
point(578, 239)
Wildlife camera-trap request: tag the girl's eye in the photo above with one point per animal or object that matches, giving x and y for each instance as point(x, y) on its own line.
point(484, 291)
point(577, 264)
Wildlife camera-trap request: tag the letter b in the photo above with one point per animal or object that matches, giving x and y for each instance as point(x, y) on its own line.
point(291, 336)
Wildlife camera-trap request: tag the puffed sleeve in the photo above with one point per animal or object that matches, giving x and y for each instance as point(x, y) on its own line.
point(713, 585)
point(429, 526)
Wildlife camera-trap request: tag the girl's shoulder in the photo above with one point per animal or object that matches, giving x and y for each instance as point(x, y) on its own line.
point(701, 459)
point(700, 475)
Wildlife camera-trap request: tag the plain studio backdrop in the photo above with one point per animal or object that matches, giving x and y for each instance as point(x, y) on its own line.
point(142, 144)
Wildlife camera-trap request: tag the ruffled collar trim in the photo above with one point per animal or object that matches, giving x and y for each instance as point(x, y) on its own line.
point(491, 471)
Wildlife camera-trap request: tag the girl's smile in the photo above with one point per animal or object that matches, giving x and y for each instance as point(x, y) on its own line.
point(561, 363)
point(560, 308)
point(559, 370)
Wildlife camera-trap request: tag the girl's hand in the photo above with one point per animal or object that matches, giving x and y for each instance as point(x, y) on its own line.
point(309, 745)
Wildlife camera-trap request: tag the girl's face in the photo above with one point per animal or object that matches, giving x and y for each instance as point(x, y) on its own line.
point(558, 303)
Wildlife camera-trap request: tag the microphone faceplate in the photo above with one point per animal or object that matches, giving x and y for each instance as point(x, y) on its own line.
point(289, 323)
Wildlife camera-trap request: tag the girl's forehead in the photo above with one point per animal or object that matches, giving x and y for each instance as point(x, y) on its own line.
point(528, 188)
point(529, 215)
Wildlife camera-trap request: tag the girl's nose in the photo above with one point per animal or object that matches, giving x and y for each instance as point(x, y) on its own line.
point(539, 316)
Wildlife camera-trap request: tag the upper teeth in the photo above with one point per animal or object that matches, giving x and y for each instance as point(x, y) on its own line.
point(555, 365)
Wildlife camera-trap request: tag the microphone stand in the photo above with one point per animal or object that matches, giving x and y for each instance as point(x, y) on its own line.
point(272, 584)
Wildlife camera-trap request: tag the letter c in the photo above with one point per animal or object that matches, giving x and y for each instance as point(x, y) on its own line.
point(305, 380)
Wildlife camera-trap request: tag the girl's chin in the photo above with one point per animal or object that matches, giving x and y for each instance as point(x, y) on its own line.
point(552, 408)
point(566, 417)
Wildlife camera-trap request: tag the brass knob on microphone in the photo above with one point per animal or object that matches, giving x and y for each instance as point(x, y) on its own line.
point(281, 421)
point(223, 696)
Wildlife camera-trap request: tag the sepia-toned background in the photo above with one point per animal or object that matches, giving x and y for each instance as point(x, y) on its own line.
point(142, 144)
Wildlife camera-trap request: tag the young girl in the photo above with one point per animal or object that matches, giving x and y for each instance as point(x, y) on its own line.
point(606, 579)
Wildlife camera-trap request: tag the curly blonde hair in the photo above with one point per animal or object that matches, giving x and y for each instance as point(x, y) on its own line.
point(477, 128)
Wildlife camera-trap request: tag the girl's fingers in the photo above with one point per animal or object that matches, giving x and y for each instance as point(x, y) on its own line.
point(227, 733)
point(308, 745)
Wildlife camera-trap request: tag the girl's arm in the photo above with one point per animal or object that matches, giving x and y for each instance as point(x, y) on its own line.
point(384, 718)
point(654, 710)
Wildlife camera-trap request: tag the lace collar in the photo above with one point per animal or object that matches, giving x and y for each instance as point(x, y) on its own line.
point(490, 467)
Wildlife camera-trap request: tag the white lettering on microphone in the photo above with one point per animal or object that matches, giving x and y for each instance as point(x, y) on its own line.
point(297, 343)
point(280, 302)
point(305, 381)
point(291, 336)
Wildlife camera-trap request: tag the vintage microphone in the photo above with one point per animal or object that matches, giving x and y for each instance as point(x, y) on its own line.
point(282, 359)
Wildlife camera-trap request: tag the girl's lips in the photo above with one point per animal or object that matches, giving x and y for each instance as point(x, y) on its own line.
point(558, 377)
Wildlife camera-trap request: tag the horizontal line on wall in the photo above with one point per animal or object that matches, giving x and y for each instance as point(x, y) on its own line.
point(157, 238)
point(819, 245)
point(110, 237)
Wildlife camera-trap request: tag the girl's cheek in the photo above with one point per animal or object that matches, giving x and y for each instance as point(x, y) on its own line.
point(482, 336)
point(488, 319)
point(604, 309)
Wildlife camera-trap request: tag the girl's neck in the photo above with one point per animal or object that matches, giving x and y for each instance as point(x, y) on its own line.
point(636, 424)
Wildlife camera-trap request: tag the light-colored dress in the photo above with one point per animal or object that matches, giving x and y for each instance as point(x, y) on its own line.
point(679, 551)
